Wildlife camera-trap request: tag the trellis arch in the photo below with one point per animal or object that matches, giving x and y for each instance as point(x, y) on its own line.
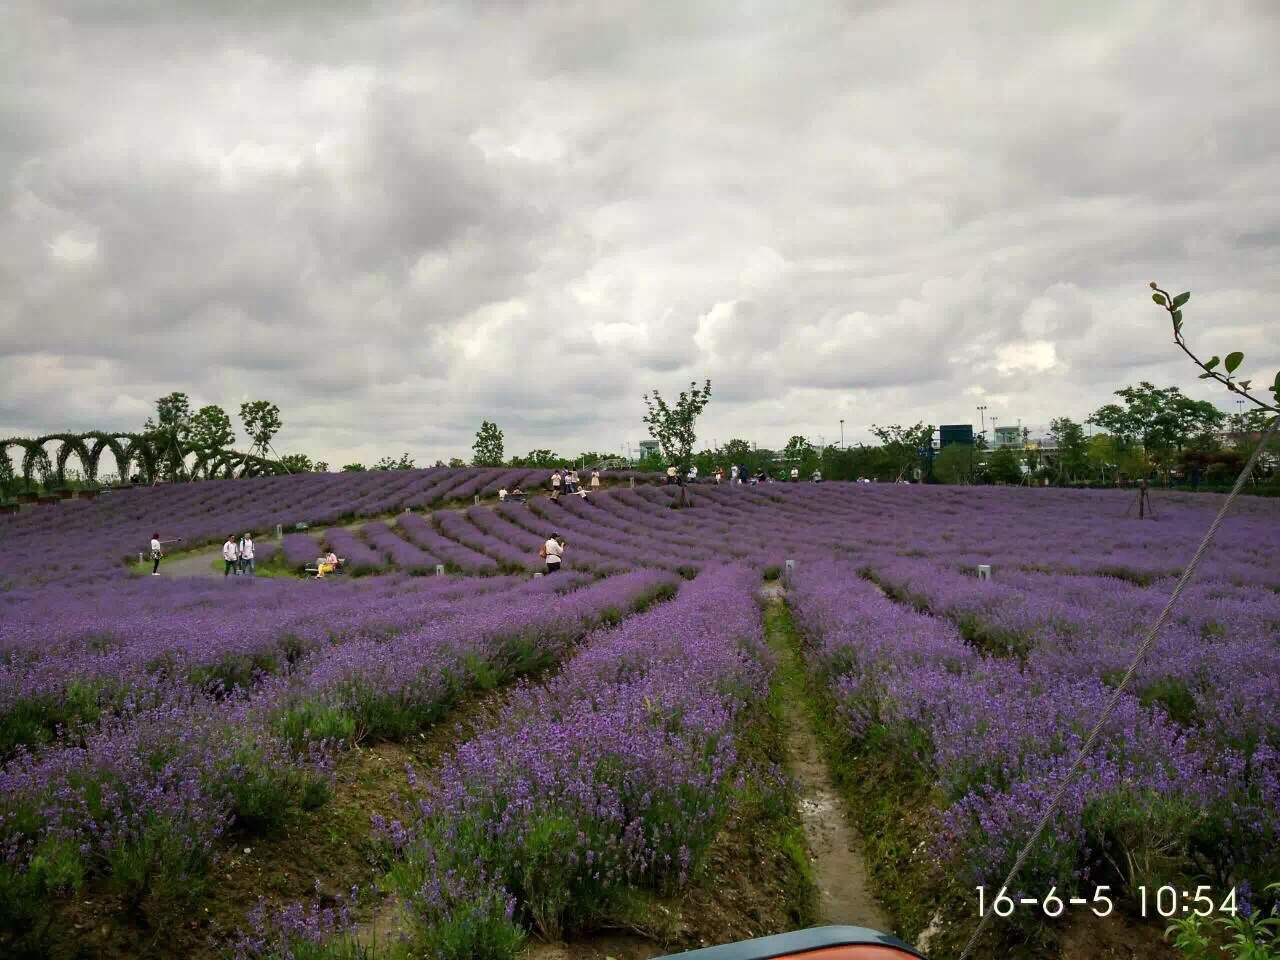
point(145, 452)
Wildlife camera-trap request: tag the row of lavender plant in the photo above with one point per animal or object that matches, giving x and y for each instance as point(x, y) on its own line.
point(615, 775)
point(996, 736)
point(142, 797)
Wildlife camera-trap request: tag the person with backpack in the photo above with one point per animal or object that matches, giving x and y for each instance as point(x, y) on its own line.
point(551, 552)
point(246, 555)
point(230, 557)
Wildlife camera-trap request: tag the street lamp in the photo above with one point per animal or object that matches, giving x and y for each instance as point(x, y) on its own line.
point(982, 412)
point(994, 421)
point(842, 434)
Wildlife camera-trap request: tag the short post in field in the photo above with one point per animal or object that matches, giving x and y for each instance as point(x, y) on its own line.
point(984, 571)
point(439, 569)
point(788, 572)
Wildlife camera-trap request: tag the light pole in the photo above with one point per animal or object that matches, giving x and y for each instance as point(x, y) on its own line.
point(982, 412)
point(994, 420)
point(842, 434)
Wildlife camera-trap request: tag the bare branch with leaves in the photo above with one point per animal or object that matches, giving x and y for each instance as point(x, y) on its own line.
point(1221, 369)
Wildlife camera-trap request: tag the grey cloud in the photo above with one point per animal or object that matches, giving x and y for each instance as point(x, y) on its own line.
point(395, 220)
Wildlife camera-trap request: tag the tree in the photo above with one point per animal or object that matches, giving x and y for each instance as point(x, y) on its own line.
point(353, 468)
point(1162, 420)
point(903, 445)
point(320, 466)
point(457, 463)
point(261, 420)
point(169, 432)
point(541, 457)
point(386, 463)
point(1003, 466)
point(211, 428)
point(675, 427)
point(487, 449)
point(1073, 448)
point(799, 453)
point(298, 463)
point(173, 415)
point(954, 463)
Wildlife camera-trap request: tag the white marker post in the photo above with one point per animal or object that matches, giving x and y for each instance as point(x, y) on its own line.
point(984, 571)
point(477, 499)
point(279, 531)
point(633, 483)
point(788, 571)
point(439, 569)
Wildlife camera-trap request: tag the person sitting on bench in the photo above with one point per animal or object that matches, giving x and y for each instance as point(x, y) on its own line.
point(518, 495)
point(327, 565)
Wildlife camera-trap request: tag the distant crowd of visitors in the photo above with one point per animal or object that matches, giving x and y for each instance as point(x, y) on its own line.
point(735, 475)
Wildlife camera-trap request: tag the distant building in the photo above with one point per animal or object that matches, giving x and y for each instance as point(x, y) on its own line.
point(648, 448)
point(1003, 437)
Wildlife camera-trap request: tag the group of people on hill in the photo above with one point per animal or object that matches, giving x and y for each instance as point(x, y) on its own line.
point(238, 557)
point(736, 475)
point(567, 481)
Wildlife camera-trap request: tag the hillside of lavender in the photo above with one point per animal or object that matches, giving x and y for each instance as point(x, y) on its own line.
point(149, 725)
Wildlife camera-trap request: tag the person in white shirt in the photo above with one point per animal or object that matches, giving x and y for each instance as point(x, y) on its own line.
point(595, 480)
point(555, 485)
point(230, 557)
point(246, 555)
point(693, 473)
point(156, 554)
point(572, 481)
point(553, 550)
point(795, 474)
point(502, 495)
point(671, 475)
point(733, 474)
point(817, 476)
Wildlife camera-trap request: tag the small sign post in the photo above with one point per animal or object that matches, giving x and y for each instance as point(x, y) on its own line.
point(439, 569)
point(984, 571)
point(789, 571)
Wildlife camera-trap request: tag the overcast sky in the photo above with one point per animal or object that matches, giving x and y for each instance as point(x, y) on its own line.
point(396, 222)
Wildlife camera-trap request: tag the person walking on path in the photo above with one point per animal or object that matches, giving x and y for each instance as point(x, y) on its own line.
point(230, 557)
point(573, 481)
point(246, 555)
point(156, 554)
point(555, 485)
point(595, 480)
point(551, 552)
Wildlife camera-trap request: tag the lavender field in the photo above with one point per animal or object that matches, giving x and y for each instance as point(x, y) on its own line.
point(152, 728)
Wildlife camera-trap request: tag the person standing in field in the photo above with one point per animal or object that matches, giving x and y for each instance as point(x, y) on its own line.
point(733, 473)
point(552, 551)
point(795, 474)
point(595, 480)
point(555, 485)
point(671, 475)
point(156, 554)
point(246, 555)
point(230, 557)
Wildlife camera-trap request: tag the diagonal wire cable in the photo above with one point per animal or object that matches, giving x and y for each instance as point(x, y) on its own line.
point(1114, 702)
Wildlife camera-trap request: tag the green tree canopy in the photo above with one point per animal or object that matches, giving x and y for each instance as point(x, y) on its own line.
point(353, 468)
point(261, 420)
point(487, 450)
point(902, 445)
point(955, 463)
point(1159, 418)
point(211, 428)
point(387, 463)
point(1003, 466)
point(1073, 447)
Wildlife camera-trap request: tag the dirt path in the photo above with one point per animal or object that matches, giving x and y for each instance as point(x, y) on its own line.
point(844, 889)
